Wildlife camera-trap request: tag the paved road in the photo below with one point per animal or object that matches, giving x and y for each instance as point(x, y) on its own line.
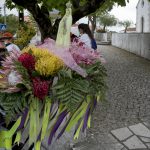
point(128, 101)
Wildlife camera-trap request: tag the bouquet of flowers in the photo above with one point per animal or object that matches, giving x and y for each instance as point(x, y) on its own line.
point(51, 88)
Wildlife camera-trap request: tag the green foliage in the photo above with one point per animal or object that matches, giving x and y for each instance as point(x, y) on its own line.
point(106, 20)
point(97, 79)
point(80, 8)
point(126, 24)
point(61, 4)
point(12, 104)
point(12, 23)
point(23, 71)
point(24, 35)
point(70, 91)
point(10, 4)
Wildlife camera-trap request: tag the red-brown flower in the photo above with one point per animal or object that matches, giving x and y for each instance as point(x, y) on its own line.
point(40, 88)
point(27, 60)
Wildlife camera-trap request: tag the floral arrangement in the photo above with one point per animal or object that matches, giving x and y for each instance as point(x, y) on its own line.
point(51, 89)
point(37, 79)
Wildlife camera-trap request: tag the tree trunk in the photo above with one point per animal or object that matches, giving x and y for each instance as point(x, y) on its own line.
point(41, 16)
point(104, 28)
point(125, 31)
point(92, 20)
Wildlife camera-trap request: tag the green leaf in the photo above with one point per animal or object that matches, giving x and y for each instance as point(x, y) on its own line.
point(71, 92)
point(25, 76)
point(12, 104)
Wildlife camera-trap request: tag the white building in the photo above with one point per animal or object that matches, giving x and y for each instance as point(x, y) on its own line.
point(143, 16)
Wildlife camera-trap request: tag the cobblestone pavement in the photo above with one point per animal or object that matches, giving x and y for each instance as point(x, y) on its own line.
point(127, 105)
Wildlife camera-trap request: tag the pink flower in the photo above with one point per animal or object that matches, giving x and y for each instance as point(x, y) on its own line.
point(83, 54)
point(8, 62)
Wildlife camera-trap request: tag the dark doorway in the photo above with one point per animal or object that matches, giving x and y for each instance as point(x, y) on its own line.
point(142, 24)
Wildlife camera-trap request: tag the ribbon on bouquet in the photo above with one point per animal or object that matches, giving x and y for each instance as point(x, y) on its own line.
point(6, 136)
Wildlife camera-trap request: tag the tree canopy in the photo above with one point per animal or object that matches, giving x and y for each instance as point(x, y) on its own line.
point(126, 24)
point(106, 20)
point(12, 22)
point(106, 7)
point(40, 11)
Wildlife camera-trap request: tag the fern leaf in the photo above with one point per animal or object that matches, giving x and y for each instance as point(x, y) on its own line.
point(12, 104)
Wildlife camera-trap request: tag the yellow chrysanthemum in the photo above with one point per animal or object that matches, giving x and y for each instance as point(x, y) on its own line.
point(37, 52)
point(48, 65)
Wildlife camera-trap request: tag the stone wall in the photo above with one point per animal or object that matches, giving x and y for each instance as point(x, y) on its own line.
point(136, 43)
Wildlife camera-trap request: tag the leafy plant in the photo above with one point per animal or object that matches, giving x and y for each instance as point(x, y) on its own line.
point(25, 76)
point(96, 77)
point(12, 22)
point(70, 91)
point(106, 20)
point(24, 35)
point(12, 104)
point(126, 24)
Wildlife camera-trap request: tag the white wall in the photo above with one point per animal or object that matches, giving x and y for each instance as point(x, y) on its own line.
point(104, 37)
point(136, 43)
point(143, 11)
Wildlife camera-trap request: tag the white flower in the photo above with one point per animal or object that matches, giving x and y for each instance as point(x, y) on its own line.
point(14, 78)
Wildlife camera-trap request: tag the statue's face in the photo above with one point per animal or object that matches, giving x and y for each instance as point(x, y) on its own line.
point(67, 11)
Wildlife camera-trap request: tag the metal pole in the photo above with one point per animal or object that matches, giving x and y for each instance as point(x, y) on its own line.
point(0, 11)
point(4, 13)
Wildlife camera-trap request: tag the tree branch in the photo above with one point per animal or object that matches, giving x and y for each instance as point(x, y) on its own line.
point(41, 16)
point(24, 3)
point(89, 7)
